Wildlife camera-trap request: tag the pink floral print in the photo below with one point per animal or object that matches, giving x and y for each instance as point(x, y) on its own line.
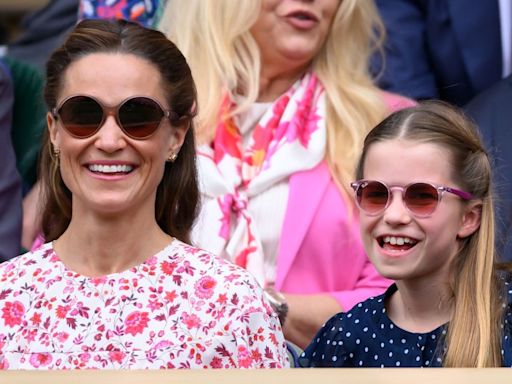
point(136, 322)
point(12, 313)
point(182, 308)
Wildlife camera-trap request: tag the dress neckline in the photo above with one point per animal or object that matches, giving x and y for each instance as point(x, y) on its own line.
point(54, 257)
point(392, 289)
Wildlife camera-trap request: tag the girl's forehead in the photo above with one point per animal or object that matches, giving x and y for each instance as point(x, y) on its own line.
point(404, 161)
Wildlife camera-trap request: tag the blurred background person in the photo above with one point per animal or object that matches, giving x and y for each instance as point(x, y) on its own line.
point(41, 32)
point(116, 285)
point(492, 111)
point(285, 99)
point(10, 181)
point(144, 12)
point(444, 49)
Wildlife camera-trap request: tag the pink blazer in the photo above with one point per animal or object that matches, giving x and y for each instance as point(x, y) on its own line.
point(320, 249)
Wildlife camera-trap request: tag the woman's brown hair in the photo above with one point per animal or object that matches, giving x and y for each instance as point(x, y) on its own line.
point(177, 194)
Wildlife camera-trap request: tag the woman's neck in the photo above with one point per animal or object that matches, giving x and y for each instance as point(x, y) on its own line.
point(95, 245)
point(420, 306)
point(274, 81)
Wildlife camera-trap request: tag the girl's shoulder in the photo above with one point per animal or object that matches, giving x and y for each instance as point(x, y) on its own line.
point(345, 331)
point(505, 280)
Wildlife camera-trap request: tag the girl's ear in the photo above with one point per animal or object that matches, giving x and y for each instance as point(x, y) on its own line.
point(471, 219)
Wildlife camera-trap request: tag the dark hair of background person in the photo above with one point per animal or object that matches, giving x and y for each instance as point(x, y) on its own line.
point(177, 196)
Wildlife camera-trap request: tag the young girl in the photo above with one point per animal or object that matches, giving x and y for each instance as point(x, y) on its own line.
point(427, 221)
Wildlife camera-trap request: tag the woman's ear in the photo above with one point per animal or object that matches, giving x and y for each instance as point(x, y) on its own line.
point(179, 131)
point(51, 122)
point(471, 219)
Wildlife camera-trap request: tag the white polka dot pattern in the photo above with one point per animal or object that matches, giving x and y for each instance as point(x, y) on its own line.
point(366, 337)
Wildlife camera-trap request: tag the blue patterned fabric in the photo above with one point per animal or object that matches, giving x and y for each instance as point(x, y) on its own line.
point(144, 12)
point(366, 337)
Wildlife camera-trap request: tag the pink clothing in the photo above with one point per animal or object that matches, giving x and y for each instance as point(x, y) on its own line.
point(320, 249)
point(181, 308)
point(289, 137)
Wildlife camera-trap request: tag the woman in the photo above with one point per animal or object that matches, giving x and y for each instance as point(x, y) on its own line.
point(116, 286)
point(285, 99)
point(427, 221)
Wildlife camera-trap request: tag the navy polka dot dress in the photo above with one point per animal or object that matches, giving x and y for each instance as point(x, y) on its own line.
point(366, 337)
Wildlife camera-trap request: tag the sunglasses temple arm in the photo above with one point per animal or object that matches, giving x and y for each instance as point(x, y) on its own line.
point(462, 194)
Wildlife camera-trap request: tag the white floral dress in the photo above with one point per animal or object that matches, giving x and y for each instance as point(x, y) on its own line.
point(182, 308)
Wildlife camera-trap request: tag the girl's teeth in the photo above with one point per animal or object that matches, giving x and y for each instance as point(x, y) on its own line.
point(110, 168)
point(398, 240)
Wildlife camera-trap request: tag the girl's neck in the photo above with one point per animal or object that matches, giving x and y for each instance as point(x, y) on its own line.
point(274, 81)
point(99, 245)
point(420, 307)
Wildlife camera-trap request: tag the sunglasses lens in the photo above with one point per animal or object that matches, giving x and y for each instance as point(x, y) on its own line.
point(421, 198)
point(81, 116)
point(140, 117)
point(372, 197)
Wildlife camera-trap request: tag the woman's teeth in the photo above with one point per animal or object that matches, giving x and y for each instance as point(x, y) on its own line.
point(110, 168)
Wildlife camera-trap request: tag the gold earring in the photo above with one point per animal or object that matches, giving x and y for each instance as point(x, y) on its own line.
point(56, 154)
point(172, 158)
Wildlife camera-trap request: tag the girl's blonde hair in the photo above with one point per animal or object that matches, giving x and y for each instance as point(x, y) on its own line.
point(474, 332)
point(215, 38)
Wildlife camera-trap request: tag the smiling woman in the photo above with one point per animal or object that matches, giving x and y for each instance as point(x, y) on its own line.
point(117, 285)
point(91, 142)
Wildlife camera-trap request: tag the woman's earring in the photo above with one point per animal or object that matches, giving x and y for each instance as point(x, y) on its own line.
point(172, 158)
point(56, 154)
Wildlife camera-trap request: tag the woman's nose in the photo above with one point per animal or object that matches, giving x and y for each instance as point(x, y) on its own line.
point(110, 137)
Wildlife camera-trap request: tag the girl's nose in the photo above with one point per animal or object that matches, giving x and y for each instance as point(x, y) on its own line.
point(397, 213)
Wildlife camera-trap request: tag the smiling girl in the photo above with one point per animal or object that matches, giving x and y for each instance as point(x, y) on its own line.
point(427, 222)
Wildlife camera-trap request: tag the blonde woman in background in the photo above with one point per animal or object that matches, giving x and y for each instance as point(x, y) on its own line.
point(285, 100)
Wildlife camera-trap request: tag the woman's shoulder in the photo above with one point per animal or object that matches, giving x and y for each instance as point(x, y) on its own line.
point(28, 260)
point(27, 269)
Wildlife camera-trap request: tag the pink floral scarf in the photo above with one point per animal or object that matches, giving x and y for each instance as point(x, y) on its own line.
point(290, 137)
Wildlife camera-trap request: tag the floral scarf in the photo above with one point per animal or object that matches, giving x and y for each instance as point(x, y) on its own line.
point(290, 137)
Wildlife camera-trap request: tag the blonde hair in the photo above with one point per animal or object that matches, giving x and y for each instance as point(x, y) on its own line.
point(215, 38)
point(474, 332)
